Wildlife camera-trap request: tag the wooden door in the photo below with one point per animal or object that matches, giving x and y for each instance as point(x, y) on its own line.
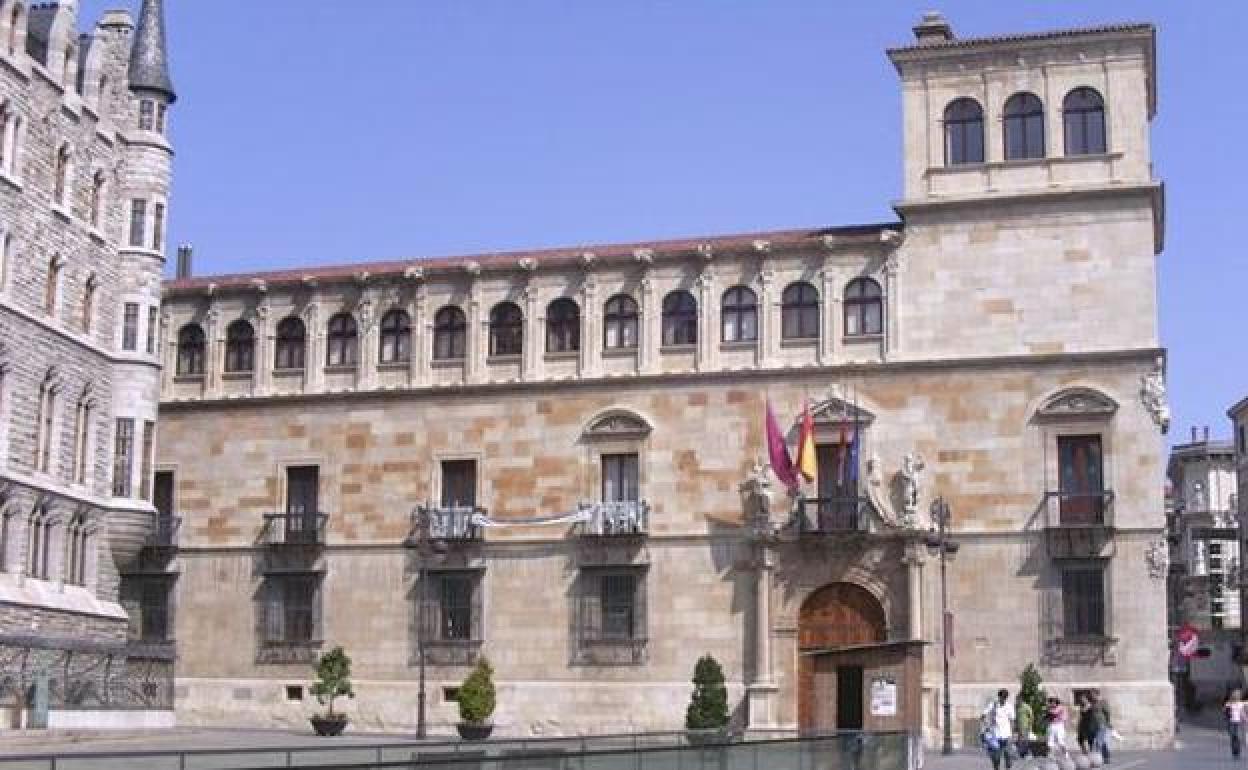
point(837, 616)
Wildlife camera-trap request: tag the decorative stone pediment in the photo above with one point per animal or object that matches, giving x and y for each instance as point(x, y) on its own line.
point(1078, 403)
point(838, 411)
point(617, 424)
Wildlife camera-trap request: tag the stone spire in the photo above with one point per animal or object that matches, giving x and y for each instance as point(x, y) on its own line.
point(149, 67)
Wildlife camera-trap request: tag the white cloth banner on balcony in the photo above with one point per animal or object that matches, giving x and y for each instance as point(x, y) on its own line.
point(575, 517)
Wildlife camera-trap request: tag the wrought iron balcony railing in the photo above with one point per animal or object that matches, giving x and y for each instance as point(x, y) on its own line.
point(445, 524)
point(294, 529)
point(617, 518)
point(833, 515)
point(1079, 525)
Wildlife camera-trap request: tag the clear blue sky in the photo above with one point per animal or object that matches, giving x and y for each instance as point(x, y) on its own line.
point(322, 131)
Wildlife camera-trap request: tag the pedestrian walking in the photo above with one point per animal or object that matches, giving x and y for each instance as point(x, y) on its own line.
point(1055, 733)
point(1024, 726)
point(1100, 725)
point(997, 728)
point(1235, 711)
point(1083, 722)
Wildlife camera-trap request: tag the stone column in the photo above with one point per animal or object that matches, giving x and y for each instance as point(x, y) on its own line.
point(591, 345)
point(212, 355)
point(533, 362)
point(422, 350)
point(892, 306)
point(913, 562)
point(762, 690)
point(766, 289)
point(708, 308)
point(829, 318)
point(263, 359)
point(649, 331)
point(314, 355)
point(366, 315)
point(477, 343)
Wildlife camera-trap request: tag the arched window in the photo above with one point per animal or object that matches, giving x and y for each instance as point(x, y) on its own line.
point(396, 336)
point(52, 290)
point(190, 350)
point(563, 326)
point(240, 347)
point(38, 545)
point(506, 330)
point(61, 185)
point(739, 315)
point(97, 197)
point(342, 346)
point(1083, 118)
point(76, 538)
point(88, 304)
point(680, 319)
point(964, 132)
point(15, 26)
point(291, 342)
point(800, 312)
point(450, 332)
point(1024, 127)
point(619, 330)
point(864, 308)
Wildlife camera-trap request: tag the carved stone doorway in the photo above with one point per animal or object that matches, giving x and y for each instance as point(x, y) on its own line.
point(836, 616)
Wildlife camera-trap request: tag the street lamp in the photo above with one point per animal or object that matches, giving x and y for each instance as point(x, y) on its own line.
point(427, 547)
point(937, 541)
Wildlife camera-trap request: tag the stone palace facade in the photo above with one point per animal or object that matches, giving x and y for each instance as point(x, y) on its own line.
point(552, 459)
point(84, 188)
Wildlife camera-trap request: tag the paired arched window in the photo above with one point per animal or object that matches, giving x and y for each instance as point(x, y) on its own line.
point(563, 326)
point(343, 341)
point(680, 319)
point(1024, 127)
point(739, 315)
point(396, 337)
point(964, 132)
point(190, 350)
point(240, 347)
point(619, 329)
point(1083, 121)
point(799, 318)
point(290, 344)
point(864, 308)
point(506, 330)
point(449, 333)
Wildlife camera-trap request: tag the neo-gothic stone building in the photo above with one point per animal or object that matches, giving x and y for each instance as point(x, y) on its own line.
point(84, 185)
point(549, 458)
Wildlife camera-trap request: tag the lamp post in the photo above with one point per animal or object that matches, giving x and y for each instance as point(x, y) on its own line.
point(937, 541)
point(426, 547)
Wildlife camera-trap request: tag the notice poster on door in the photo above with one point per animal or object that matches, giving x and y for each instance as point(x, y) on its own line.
point(883, 698)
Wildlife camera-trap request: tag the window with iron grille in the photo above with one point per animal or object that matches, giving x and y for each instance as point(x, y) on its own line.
point(611, 616)
point(292, 609)
point(1083, 602)
point(451, 609)
point(154, 605)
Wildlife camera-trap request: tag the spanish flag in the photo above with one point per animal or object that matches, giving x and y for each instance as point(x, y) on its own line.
point(806, 462)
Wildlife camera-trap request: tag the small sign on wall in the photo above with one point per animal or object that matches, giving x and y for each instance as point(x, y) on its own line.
point(883, 697)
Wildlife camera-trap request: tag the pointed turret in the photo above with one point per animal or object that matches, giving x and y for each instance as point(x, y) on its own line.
point(149, 65)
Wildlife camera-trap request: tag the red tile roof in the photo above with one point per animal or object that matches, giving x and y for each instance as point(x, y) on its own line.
point(1025, 37)
point(603, 253)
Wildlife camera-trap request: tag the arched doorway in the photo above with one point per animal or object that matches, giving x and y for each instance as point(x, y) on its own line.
point(837, 616)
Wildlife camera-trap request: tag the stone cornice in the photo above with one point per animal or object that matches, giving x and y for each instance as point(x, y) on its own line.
point(1136, 355)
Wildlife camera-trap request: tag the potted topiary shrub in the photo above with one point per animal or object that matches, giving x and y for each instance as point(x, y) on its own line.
point(476, 703)
point(1033, 695)
point(707, 715)
point(333, 680)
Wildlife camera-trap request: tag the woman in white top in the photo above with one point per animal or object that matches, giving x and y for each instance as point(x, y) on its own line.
point(1235, 709)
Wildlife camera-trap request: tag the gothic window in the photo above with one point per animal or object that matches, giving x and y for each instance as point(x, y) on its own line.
point(97, 197)
point(130, 326)
point(964, 132)
point(123, 457)
point(1083, 601)
point(60, 191)
point(82, 440)
point(563, 326)
point(739, 315)
point(864, 308)
point(450, 332)
point(1024, 127)
point(680, 319)
point(138, 222)
point(240, 347)
point(39, 545)
point(396, 337)
point(342, 342)
point(800, 312)
point(290, 344)
point(10, 140)
point(190, 350)
point(506, 330)
point(1083, 121)
point(15, 28)
point(88, 304)
point(76, 544)
point(52, 289)
point(45, 427)
point(620, 323)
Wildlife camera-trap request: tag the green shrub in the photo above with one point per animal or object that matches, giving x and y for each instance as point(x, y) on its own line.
point(333, 678)
point(476, 694)
point(708, 708)
point(1033, 695)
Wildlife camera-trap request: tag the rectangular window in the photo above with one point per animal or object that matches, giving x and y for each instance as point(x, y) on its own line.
point(303, 484)
point(152, 326)
point(149, 444)
point(130, 326)
point(154, 612)
point(837, 505)
point(1083, 601)
point(158, 227)
point(138, 222)
point(611, 617)
point(455, 605)
point(619, 478)
point(1081, 478)
point(619, 606)
point(123, 457)
point(1243, 439)
point(291, 609)
point(161, 115)
point(147, 115)
point(459, 483)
